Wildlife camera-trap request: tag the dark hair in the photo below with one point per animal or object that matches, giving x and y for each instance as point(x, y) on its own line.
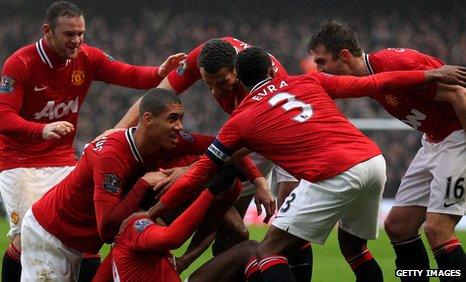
point(335, 37)
point(215, 55)
point(61, 9)
point(252, 65)
point(156, 100)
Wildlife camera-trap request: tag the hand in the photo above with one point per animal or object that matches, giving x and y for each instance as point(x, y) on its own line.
point(154, 177)
point(108, 132)
point(56, 130)
point(171, 63)
point(172, 174)
point(447, 74)
point(263, 197)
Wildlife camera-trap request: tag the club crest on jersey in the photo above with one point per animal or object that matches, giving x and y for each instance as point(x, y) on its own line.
point(6, 85)
point(15, 218)
point(186, 136)
point(112, 183)
point(77, 77)
point(181, 69)
point(392, 100)
point(142, 224)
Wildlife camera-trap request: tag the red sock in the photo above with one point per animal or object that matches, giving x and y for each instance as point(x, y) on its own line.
point(359, 259)
point(446, 247)
point(251, 269)
point(13, 253)
point(276, 269)
point(271, 261)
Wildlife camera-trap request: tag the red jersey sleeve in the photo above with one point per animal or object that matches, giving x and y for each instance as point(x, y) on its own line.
point(249, 168)
point(229, 137)
point(111, 206)
point(12, 86)
point(162, 238)
point(414, 61)
point(114, 72)
point(187, 74)
point(341, 86)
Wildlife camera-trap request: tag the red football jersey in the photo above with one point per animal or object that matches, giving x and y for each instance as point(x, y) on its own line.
point(293, 122)
point(188, 73)
point(108, 169)
point(415, 107)
point(142, 249)
point(39, 87)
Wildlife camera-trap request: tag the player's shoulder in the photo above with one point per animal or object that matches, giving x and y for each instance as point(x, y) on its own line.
point(398, 52)
point(89, 52)
point(401, 58)
point(187, 136)
point(139, 223)
point(112, 145)
point(23, 56)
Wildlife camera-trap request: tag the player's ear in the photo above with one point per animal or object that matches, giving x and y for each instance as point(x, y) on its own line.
point(345, 55)
point(46, 29)
point(147, 119)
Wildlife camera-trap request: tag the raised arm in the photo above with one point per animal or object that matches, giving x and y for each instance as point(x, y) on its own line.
point(141, 77)
point(177, 81)
point(138, 77)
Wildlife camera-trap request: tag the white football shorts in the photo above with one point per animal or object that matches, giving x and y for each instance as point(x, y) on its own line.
point(21, 187)
point(350, 199)
point(436, 178)
point(43, 256)
point(280, 175)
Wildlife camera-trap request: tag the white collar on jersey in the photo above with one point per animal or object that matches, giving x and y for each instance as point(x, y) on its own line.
point(260, 84)
point(132, 144)
point(43, 55)
point(367, 63)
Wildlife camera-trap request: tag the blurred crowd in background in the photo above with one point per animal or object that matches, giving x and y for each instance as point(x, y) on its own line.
point(145, 33)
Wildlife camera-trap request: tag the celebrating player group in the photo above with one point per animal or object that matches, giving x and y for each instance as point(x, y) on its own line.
point(146, 186)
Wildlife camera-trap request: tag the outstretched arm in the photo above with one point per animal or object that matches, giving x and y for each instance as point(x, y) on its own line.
point(353, 87)
point(173, 236)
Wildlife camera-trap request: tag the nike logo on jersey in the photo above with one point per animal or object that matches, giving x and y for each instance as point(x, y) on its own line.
point(37, 88)
point(445, 205)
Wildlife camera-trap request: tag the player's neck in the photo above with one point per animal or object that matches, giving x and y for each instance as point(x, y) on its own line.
point(56, 60)
point(145, 147)
point(357, 66)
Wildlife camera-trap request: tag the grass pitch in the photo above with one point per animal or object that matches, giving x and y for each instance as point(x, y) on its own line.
point(329, 264)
